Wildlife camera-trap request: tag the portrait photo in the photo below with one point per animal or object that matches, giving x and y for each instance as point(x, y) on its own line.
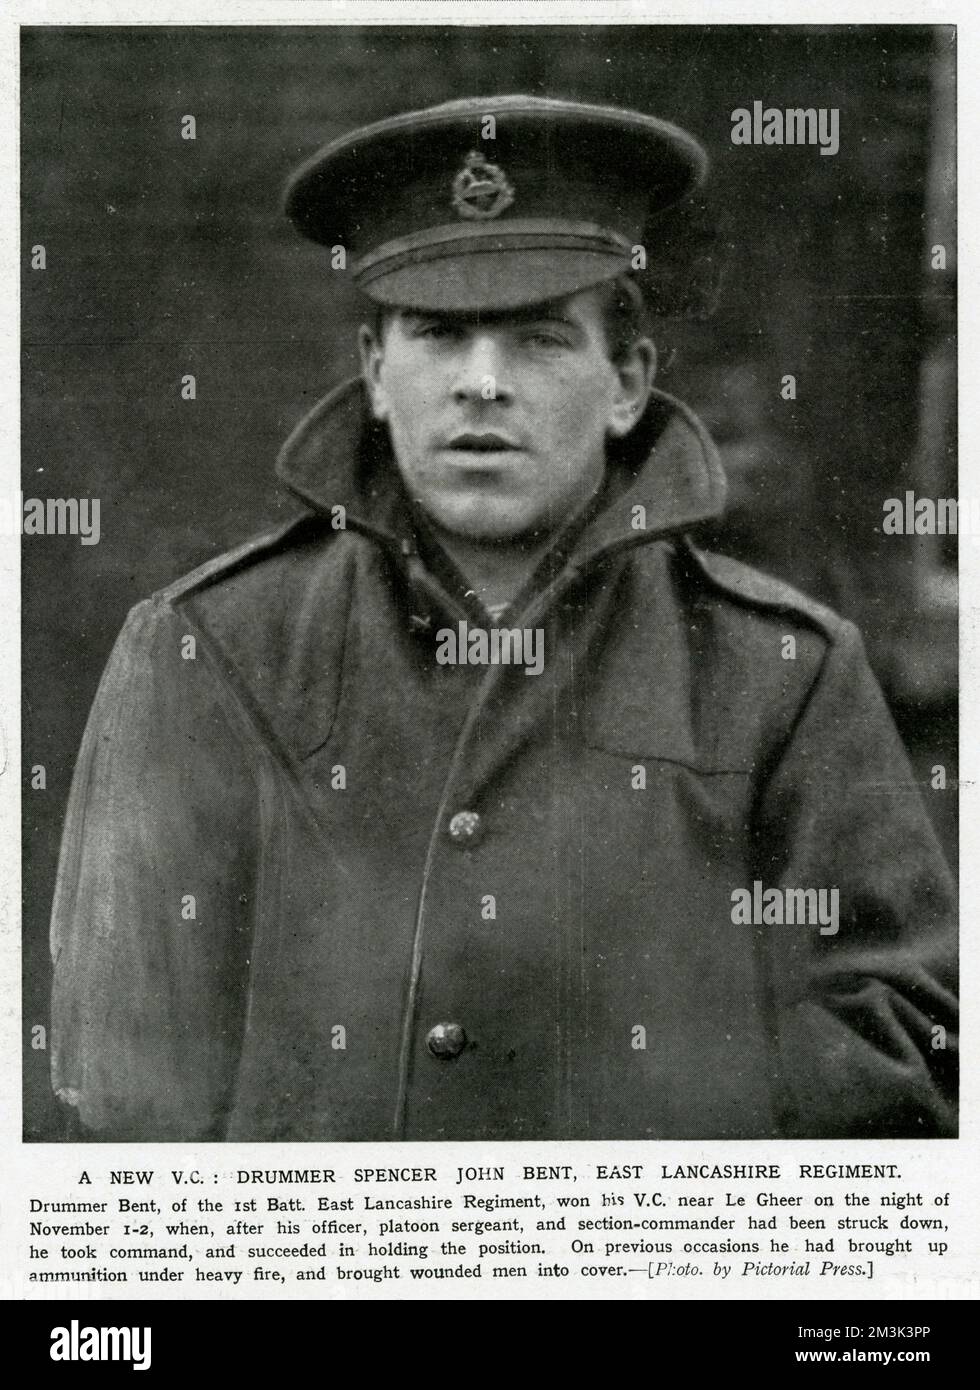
point(489, 522)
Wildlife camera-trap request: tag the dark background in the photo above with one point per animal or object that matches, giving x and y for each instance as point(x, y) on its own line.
point(167, 257)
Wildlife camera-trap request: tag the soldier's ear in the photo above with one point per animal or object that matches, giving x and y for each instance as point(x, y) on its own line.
point(635, 377)
point(371, 350)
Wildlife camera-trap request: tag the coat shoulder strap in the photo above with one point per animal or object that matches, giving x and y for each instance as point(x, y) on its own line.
point(751, 588)
point(243, 556)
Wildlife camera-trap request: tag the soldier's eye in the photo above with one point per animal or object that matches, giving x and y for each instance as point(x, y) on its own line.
point(543, 337)
point(434, 328)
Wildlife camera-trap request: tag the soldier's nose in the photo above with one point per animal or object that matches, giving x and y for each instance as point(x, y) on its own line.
point(482, 372)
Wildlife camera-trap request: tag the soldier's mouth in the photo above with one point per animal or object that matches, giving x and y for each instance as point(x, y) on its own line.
point(486, 442)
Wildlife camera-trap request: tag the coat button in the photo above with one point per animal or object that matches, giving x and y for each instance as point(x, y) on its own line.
point(445, 1040)
point(466, 828)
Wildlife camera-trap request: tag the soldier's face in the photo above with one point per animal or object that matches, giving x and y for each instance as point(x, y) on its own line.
point(499, 424)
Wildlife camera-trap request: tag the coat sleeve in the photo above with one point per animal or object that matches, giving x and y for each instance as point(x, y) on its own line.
point(150, 925)
point(864, 1018)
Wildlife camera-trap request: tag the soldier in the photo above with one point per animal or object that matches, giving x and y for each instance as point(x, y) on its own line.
point(488, 806)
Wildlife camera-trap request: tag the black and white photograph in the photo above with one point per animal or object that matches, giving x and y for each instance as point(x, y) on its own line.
point(489, 520)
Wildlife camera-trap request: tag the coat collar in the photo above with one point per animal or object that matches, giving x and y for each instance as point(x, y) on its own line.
point(669, 467)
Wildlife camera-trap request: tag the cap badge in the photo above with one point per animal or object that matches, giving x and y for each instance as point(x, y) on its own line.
point(481, 190)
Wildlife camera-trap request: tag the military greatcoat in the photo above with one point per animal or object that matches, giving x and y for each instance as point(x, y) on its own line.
point(316, 885)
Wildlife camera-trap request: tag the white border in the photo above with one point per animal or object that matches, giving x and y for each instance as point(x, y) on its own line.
point(954, 1163)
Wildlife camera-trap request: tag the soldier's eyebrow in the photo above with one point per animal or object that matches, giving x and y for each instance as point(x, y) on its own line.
point(412, 317)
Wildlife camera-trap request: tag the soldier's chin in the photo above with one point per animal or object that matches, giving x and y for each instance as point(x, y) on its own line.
point(487, 523)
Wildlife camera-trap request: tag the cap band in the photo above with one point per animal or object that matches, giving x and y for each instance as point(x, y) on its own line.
point(518, 234)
